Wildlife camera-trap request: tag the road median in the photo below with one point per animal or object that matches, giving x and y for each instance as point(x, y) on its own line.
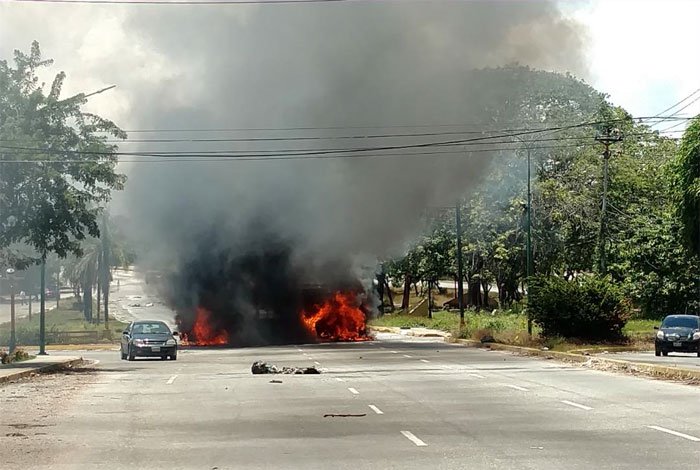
point(38, 365)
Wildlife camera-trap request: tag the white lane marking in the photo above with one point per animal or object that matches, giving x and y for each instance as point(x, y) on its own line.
point(339, 379)
point(517, 387)
point(394, 352)
point(411, 437)
point(376, 410)
point(317, 363)
point(477, 376)
point(171, 380)
point(577, 405)
point(675, 433)
point(424, 360)
point(406, 355)
point(353, 391)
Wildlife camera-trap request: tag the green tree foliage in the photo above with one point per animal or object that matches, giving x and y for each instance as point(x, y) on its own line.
point(56, 165)
point(643, 237)
point(591, 308)
point(687, 172)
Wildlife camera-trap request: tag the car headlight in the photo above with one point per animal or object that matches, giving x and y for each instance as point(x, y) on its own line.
point(696, 335)
point(660, 334)
point(171, 342)
point(138, 342)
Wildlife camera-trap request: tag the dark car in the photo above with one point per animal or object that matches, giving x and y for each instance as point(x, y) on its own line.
point(148, 338)
point(679, 333)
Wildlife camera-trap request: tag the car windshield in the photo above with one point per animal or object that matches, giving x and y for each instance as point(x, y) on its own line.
point(680, 322)
point(150, 328)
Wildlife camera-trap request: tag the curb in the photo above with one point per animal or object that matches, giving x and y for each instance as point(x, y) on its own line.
point(653, 370)
point(40, 370)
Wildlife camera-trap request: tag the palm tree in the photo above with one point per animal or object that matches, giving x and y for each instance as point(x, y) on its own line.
point(93, 269)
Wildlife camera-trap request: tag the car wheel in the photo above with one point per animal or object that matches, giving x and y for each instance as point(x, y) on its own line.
point(131, 355)
point(665, 353)
point(123, 355)
point(162, 358)
point(698, 352)
point(174, 357)
point(657, 353)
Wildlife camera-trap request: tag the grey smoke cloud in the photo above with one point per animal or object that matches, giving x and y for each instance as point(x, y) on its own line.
point(365, 63)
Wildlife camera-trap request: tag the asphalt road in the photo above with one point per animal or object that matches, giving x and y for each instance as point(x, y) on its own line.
point(423, 405)
point(132, 299)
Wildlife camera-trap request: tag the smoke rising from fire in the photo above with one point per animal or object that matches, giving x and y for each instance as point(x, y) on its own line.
point(235, 236)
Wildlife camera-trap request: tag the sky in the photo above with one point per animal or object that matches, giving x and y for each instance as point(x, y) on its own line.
point(641, 52)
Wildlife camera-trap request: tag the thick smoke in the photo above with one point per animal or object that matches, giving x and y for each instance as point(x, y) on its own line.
point(235, 236)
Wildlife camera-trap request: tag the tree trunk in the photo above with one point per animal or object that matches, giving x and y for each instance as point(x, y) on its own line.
point(430, 300)
point(87, 302)
point(474, 293)
point(406, 293)
point(97, 317)
point(487, 288)
point(30, 304)
point(389, 294)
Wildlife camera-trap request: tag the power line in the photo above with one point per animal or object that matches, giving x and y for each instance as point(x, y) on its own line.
point(392, 126)
point(680, 102)
point(327, 151)
point(497, 140)
point(235, 158)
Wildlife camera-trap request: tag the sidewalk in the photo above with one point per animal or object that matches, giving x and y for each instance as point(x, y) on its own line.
point(18, 370)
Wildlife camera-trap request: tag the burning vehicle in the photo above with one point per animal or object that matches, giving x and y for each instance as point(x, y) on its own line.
point(262, 297)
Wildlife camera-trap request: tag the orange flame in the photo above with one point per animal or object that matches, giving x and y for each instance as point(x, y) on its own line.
point(203, 333)
point(339, 318)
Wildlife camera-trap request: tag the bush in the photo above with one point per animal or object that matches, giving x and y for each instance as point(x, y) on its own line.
point(590, 308)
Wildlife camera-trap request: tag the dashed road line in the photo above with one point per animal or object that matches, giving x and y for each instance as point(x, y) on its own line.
point(424, 360)
point(477, 376)
point(411, 437)
point(339, 379)
point(517, 387)
point(171, 380)
point(407, 356)
point(317, 363)
point(394, 352)
point(675, 433)
point(376, 410)
point(577, 405)
point(353, 391)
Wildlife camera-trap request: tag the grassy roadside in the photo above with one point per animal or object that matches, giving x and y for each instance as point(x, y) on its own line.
point(67, 318)
point(510, 328)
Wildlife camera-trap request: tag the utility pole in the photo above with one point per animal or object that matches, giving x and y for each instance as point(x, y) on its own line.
point(609, 137)
point(42, 309)
point(529, 238)
point(460, 267)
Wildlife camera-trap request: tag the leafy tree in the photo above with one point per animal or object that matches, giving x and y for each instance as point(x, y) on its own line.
point(57, 167)
point(687, 171)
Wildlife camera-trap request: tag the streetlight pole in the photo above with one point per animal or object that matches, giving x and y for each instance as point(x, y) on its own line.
point(13, 337)
point(42, 309)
